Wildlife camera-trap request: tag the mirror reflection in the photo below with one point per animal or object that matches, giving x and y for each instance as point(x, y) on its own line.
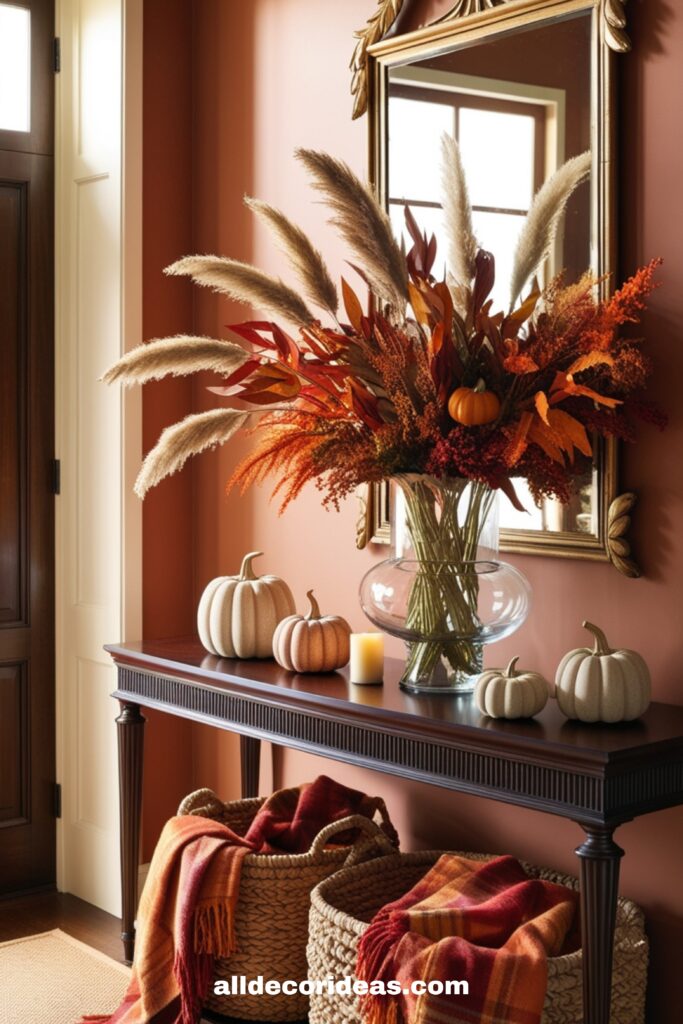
point(519, 105)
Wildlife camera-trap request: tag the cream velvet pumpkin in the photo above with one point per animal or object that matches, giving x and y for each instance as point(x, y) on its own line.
point(510, 694)
point(237, 615)
point(602, 685)
point(312, 643)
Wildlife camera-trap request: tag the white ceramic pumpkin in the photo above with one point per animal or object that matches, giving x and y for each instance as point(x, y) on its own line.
point(238, 615)
point(312, 642)
point(602, 685)
point(510, 694)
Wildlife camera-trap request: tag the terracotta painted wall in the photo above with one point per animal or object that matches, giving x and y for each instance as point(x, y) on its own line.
point(271, 75)
point(168, 565)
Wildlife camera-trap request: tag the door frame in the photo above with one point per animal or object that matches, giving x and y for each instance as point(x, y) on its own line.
point(128, 444)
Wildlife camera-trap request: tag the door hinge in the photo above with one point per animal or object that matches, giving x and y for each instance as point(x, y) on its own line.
point(57, 55)
point(56, 476)
point(58, 800)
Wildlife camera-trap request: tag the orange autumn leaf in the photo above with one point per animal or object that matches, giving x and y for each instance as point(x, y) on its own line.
point(611, 403)
point(436, 340)
point(514, 321)
point(542, 406)
point(352, 305)
point(564, 386)
point(420, 308)
point(518, 362)
point(518, 441)
point(571, 433)
point(593, 358)
point(541, 435)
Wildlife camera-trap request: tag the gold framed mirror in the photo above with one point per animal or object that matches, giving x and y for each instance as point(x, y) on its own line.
point(523, 85)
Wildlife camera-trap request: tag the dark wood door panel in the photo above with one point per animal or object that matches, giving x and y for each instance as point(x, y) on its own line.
point(14, 751)
point(13, 394)
point(27, 695)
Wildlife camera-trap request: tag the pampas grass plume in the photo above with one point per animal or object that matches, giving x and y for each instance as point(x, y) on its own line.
point(244, 283)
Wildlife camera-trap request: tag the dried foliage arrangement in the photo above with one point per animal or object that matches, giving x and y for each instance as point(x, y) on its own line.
point(425, 378)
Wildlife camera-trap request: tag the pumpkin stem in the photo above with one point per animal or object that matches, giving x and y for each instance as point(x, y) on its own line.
point(601, 645)
point(314, 611)
point(480, 386)
point(510, 670)
point(246, 570)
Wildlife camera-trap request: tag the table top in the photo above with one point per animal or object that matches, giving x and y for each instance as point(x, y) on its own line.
point(658, 733)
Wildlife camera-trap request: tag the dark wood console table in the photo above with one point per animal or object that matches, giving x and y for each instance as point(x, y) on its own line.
point(598, 776)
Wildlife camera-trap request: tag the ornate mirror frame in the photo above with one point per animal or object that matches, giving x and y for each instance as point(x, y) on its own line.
point(380, 46)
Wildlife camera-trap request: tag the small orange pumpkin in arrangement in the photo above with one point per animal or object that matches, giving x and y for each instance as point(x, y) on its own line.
point(473, 407)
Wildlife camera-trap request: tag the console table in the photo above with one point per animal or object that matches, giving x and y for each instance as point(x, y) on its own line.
point(598, 776)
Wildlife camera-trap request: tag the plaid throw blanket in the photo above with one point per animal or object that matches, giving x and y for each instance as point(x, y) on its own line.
point(187, 909)
point(484, 923)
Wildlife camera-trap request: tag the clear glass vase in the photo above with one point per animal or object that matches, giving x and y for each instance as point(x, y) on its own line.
point(445, 594)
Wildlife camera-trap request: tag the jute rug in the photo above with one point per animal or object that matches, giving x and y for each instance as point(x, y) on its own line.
point(54, 979)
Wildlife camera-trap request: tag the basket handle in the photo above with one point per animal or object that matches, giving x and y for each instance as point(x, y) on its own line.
point(202, 800)
point(374, 837)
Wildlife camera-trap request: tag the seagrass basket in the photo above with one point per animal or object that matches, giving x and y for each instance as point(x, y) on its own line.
point(343, 905)
point(271, 917)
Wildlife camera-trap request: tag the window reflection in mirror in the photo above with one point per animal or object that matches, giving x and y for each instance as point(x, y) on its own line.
point(519, 105)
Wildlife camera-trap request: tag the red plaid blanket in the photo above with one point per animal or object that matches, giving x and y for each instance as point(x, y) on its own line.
point(485, 923)
point(186, 912)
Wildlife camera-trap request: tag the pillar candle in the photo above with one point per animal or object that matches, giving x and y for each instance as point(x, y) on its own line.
point(367, 658)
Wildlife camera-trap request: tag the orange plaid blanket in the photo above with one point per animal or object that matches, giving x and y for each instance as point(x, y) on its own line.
point(488, 924)
point(187, 909)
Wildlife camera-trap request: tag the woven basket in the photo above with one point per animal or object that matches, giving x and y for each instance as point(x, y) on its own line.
point(343, 905)
point(271, 917)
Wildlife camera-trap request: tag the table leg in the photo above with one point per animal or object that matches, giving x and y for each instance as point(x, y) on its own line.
point(131, 730)
point(250, 762)
point(600, 858)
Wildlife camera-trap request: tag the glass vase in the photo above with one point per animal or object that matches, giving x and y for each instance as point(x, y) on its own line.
point(445, 594)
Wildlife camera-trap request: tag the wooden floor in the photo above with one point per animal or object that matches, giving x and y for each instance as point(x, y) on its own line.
point(42, 912)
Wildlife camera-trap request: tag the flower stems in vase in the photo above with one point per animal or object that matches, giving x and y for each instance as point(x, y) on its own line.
point(445, 520)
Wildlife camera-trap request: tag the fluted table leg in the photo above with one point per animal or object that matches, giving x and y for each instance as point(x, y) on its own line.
point(600, 858)
point(131, 731)
point(250, 760)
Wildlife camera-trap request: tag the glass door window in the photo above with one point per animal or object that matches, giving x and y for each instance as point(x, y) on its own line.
point(15, 68)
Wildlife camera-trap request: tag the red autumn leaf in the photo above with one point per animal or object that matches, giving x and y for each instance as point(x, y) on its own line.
point(484, 278)
point(508, 488)
point(364, 404)
point(287, 348)
point(249, 331)
point(413, 227)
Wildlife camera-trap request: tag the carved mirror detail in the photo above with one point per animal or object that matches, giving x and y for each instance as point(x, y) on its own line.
point(532, 80)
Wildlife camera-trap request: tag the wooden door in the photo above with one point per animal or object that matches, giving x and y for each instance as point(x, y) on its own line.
point(98, 428)
point(27, 685)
